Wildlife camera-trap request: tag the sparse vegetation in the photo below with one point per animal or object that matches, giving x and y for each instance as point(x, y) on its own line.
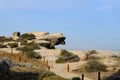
point(29, 48)
point(4, 39)
point(13, 45)
point(32, 45)
point(23, 73)
point(3, 46)
point(32, 54)
point(67, 56)
point(92, 52)
point(29, 52)
point(27, 36)
point(94, 65)
point(23, 42)
point(25, 49)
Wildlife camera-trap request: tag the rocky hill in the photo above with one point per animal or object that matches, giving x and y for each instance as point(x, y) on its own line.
point(37, 47)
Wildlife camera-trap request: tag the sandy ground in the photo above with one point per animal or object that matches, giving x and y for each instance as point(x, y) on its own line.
point(60, 69)
point(8, 50)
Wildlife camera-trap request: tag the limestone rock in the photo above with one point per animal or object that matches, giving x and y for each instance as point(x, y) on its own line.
point(39, 35)
point(16, 35)
point(44, 39)
point(49, 40)
point(56, 39)
point(43, 43)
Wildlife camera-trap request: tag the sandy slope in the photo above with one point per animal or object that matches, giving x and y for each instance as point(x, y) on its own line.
point(8, 50)
point(59, 69)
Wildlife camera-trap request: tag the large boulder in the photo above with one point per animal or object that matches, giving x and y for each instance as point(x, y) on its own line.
point(5, 65)
point(49, 40)
point(39, 35)
point(16, 35)
point(43, 43)
point(55, 39)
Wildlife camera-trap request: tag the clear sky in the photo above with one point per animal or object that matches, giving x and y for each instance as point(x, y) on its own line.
point(87, 24)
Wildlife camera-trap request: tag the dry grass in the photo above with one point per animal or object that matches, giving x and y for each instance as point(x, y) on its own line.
point(38, 72)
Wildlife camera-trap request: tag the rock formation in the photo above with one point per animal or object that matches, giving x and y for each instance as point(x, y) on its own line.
point(4, 67)
point(49, 40)
point(44, 39)
point(16, 35)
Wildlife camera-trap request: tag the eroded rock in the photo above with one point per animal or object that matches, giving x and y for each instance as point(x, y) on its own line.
point(5, 65)
point(49, 40)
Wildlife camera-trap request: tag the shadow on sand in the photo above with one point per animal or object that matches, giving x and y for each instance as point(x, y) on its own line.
point(115, 76)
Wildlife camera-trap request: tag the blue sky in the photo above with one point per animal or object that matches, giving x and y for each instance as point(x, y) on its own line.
point(87, 24)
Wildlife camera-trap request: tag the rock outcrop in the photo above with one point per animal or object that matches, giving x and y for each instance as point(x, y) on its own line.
point(5, 65)
point(49, 40)
point(44, 39)
point(16, 35)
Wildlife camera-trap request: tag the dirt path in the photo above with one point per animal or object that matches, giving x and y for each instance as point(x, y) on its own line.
point(60, 69)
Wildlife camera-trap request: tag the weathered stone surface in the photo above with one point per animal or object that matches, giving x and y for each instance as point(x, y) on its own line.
point(49, 40)
point(5, 65)
point(16, 35)
point(43, 43)
point(55, 39)
point(44, 39)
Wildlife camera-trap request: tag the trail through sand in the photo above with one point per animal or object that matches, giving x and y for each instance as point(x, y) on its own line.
point(60, 69)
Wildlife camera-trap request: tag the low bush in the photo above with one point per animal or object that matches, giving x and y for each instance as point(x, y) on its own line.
point(27, 36)
point(47, 75)
point(29, 48)
point(92, 52)
point(23, 42)
point(29, 51)
point(25, 49)
point(13, 45)
point(66, 56)
point(32, 54)
point(30, 43)
point(94, 65)
point(4, 39)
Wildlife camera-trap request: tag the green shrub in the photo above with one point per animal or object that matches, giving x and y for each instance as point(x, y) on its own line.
point(4, 39)
point(29, 52)
point(29, 48)
point(30, 43)
point(25, 49)
point(13, 45)
point(32, 54)
point(47, 75)
point(23, 42)
point(35, 46)
point(66, 56)
point(92, 52)
point(27, 36)
point(94, 65)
